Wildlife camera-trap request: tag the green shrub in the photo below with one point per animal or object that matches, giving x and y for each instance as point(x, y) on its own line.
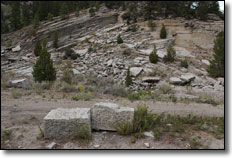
point(83, 96)
point(91, 12)
point(9, 44)
point(119, 39)
point(41, 134)
point(133, 28)
point(170, 57)
point(81, 131)
point(124, 128)
point(127, 51)
point(50, 16)
point(16, 94)
point(217, 65)
point(151, 25)
point(184, 63)
point(165, 88)
point(128, 78)
point(163, 33)
point(153, 57)
point(38, 48)
point(43, 70)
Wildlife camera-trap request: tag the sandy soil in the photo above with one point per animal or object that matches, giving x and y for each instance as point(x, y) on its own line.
point(23, 116)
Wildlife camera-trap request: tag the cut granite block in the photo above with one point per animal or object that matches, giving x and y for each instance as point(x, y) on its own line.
point(62, 123)
point(106, 115)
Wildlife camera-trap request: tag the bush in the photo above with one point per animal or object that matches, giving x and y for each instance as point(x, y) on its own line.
point(68, 73)
point(128, 78)
point(43, 70)
point(16, 94)
point(119, 39)
point(133, 28)
point(217, 65)
point(184, 63)
point(124, 128)
point(151, 25)
point(153, 57)
point(81, 132)
point(165, 88)
point(38, 48)
point(92, 12)
point(50, 16)
point(163, 33)
point(170, 57)
point(127, 51)
point(116, 90)
point(83, 96)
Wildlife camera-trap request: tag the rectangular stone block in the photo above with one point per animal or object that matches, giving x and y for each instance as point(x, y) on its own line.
point(61, 123)
point(106, 115)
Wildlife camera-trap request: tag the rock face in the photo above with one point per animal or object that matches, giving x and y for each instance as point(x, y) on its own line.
point(135, 71)
point(106, 115)
point(205, 61)
point(61, 123)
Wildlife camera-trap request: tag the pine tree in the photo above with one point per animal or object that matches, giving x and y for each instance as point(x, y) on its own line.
point(38, 48)
point(217, 65)
point(43, 70)
point(64, 11)
point(153, 57)
point(163, 33)
point(15, 16)
point(119, 39)
point(151, 25)
point(44, 43)
point(36, 21)
point(128, 78)
point(170, 57)
point(55, 42)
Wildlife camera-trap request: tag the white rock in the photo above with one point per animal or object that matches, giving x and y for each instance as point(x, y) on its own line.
point(51, 146)
point(110, 62)
point(76, 72)
point(146, 51)
point(149, 134)
point(187, 77)
point(205, 61)
point(161, 53)
point(175, 80)
point(182, 52)
point(106, 115)
point(16, 49)
point(96, 146)
point(20, 82)
point(135, 71)
point(147, 145)
point(61, 123)
point(162, 43)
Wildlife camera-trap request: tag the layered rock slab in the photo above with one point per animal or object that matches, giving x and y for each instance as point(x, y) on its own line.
point(106, 115)
point(62, 123)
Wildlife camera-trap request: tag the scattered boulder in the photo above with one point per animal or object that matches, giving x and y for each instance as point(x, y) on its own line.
point(149, 134)
point(20, 83)
point(161, 53)
point(61, 123)
point(106, 115)
point(76, 72)
point(51, 146)
point(205, 61)
point(147, 145)
point(16, 49)
point(135, 71)
point(187, 77)
point(175, 81)
point(151, 79)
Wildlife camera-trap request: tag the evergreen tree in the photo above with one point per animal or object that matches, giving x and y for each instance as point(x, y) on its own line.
point(77, 12)
point(38, 48)
point(128, 78)
point(119, 39)
point(36, 22)
point(43, 70)
point(170, 57)
point(153, 57)
point(91, 12)
point(50, 16)
point(15, 16)
point(217, 65)
point(64, 11)
point(202, 10)
point(26, 14)
point(151, 25)
point(163, 33)
point(55, 42)
point(44, 42)
point(184, 63)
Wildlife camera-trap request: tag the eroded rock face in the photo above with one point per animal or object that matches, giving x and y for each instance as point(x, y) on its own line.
point(62, 123)
point(106, 115)
point(175, 81)
point(20, 82)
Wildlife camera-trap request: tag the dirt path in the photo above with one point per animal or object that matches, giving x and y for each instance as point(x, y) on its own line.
point(23, 115)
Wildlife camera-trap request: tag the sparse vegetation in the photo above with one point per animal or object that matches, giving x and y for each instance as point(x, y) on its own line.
point(38, 48)
point(5, 135)
point(165, 88)
point(128, 78)
point(184, 63)
point(41, 134)
point(153, 57)
point(16, 94)
point(86, 96)
point(91, 12)
point(151, 25)
point(81, 132)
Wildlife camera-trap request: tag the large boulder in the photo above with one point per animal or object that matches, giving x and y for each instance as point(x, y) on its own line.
point(16, 49)
point(188, 77)
point(161, 53)
point(20, 83)
point(62, 123)
point(135, 71)
point(160, 44)
point(105, 116)
point(206, 62)
point(175, 81)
